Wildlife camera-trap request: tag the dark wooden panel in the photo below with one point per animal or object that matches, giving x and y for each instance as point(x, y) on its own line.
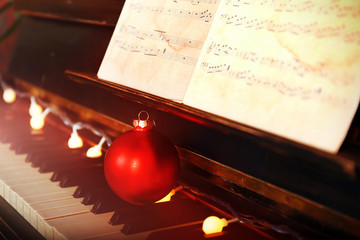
point(102, 12)
point(46, 48)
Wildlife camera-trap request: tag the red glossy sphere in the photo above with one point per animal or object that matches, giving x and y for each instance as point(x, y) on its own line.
point(141, 166)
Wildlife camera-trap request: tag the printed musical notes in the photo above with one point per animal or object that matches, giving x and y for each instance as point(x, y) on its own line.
point(251, 78)
point(156, 44)
point(289, 67)
point(339, 9)
point(160, 35)
point(196, 2)
point(140, 8)
point(156, 52)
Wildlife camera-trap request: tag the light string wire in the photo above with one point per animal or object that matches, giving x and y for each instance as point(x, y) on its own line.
point(62, 115)
point(242, 218)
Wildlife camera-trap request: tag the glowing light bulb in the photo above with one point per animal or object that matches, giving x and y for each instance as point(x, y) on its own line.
point(167, 198)
point(9, 95)
point(213, 225)
point(37, 122)
point(35, 109)
point(95, 151)
point(75, 141)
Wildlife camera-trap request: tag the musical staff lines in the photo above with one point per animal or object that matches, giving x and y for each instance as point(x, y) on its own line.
point(316, 7)
point(156, 52)
point(160, 35)
point(293, 65)
point(218, 49)
point(255, 79)
point(196, 2)
point(313, 28)
point(205, 15)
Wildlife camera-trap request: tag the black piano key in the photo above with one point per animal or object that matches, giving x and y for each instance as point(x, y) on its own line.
point(37, 142)
point(122, 214)
point(108, 202)
point(68, 168)
point(60, 164)
point(91, 196)
point(76, 178)
point(101, 193)
point(84, 188)
point(179, 210)
point(95, 194)
point(56, 155)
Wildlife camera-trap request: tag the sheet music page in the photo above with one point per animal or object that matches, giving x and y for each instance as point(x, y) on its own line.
point(291, 68)
point(156, 44)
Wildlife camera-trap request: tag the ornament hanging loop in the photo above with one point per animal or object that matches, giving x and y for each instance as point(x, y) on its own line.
point(143, 124)
point(142, 113)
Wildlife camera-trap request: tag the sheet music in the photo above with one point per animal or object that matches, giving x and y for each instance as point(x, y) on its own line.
point(156, 44)
point(291, 68)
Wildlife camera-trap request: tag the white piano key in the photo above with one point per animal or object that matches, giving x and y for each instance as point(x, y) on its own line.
point(42, 212)
point(77, 226)
point(48, 208)
point(4, 146)
point(46, 197)
point(43, 193)
point(29, 179)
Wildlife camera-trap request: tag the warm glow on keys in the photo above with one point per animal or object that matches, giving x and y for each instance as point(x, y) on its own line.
point(75, 141)
point(95, 151)
point(35, 109)
point(167, 198)
point(37, 122)
point(9, 95)
point(213, 225)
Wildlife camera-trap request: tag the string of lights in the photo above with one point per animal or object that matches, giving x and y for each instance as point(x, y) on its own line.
point(38, 115)
point(211, 225)
point(243, 218)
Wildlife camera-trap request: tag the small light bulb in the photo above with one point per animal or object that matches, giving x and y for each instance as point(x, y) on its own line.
point(37, 122)
point(35, 109)
point(167, 198)
point(213, 225)
point(9, 95)
point(94, 152)
point(75, 141)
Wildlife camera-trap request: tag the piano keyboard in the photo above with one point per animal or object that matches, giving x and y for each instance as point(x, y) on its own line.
point(64, 195)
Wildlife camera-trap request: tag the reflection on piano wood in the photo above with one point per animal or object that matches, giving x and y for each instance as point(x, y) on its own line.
point(64, 195)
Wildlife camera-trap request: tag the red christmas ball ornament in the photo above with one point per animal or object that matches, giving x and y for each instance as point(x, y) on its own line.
point(141, 166)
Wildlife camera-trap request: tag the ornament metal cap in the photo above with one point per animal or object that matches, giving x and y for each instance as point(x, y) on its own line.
point(143, 124)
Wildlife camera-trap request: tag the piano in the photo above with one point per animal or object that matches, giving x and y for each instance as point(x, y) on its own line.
point(266, 187)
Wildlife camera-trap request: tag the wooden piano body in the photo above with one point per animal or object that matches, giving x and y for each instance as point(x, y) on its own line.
point(54, 55)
